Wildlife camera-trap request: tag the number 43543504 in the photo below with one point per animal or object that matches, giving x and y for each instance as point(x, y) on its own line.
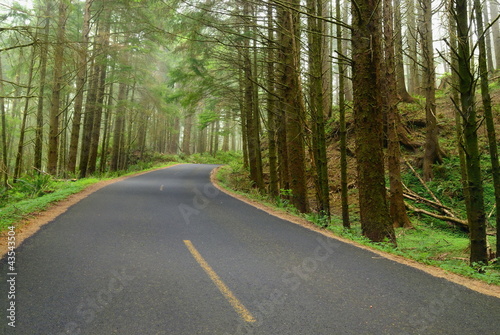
point(11, 245)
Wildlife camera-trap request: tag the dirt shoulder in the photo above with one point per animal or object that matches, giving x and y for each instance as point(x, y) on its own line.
point(476, 285)
point(34, 221)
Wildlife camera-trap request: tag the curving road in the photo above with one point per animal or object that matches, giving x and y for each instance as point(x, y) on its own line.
point(167, 253)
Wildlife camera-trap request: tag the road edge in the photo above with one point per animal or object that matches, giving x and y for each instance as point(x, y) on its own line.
point(473, 284)
point(32, 223)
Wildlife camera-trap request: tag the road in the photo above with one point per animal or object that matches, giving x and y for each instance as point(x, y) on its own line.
point(167, 253)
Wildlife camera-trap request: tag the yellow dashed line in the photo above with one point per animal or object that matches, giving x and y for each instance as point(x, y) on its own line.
point(226, 292)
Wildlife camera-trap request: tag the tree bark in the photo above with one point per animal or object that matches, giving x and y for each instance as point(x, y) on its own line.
point(487, 36)
point(343, 131)
point(317, 103)
point(288, 19)
point(20, 147)
point(88, 120)
point(432, 151)
point(476, 214)
point(5, 162)
point(496, 31)
point(118, 131)
point(41, 94)
point(186, 138)
point(398, 45)
point(98, 107)
point(412, 37)
point(366, 43)
point(57, 84)
point(488, 115)
point(271, 105)
point(397, 205)
point(80, 85)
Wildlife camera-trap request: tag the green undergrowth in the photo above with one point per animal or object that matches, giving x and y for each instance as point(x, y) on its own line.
point(430, 241)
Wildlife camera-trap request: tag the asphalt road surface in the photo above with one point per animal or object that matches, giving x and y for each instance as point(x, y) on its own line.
point(167, 253)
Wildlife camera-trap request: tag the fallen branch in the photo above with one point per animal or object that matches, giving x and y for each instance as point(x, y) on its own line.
point(417, 198)
point(444, 209)
point(457, 222)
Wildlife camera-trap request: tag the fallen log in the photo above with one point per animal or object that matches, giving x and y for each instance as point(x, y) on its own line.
point(444, 209)
point(417, 198)
point(463, 225)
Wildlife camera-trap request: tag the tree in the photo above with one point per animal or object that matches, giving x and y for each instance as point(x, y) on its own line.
point(293, 104)
point(343, 131)
point(44, 50)
point(251, 104)
point(57, 85)
point(488, 114)
point(317, 79)
point(5, 162)
point(22, 132)
point(475, 214)
point(366, 44)
point(80, 85)
point(398, 45)
point(397, 205)
point(271, 105)
point(432, 153)
point(496, 31)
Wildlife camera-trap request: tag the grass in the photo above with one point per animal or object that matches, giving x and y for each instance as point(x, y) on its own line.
point(59, 190)
point(430, 242)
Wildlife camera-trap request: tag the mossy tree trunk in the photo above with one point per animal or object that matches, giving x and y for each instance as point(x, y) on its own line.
point(488, 114)
point(376, 223)
point(475, 214)
point(397, 205)
point(343, 131)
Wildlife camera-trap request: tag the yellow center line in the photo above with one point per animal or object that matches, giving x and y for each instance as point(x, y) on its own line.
point(226, 292)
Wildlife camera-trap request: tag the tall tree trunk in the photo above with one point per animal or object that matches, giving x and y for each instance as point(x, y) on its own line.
point(118, 131)
point(398, 45)
point(243, 111)
point(186, 138)
point(432, 153)
point(271, 105)
point(316, 102)
point(256, 105)
point(44, 50)
point(412, 38)
point(366, 44)
point(103, 40)
point(397, 206)
point(476, 215)
point(343, 131)
point(455, 98)
point(88, 120)
point(57, 84)
point(326, 57)
point(20, 147)
point(488, 115)
point(289, 21)
point(496, 31)
point(489, 53)
point(107, 126)
point(81, 78)
point(347, 52)
point(5, 162)
point(251, 104)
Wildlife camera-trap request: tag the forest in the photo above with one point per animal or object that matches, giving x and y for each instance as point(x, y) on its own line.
point(341, 109)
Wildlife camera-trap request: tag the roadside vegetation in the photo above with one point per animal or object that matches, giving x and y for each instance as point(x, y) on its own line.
point(441, 241)
point(35, 192)
point(430, 241)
